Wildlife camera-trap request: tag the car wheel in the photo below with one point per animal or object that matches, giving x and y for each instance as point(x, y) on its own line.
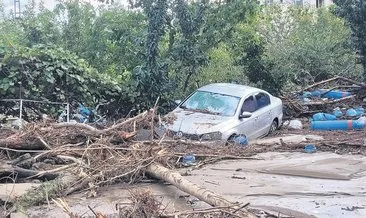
point(273, 127)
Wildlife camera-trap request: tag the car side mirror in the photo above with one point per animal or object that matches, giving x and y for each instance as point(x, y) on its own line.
point(178, 102)
point(245, 114)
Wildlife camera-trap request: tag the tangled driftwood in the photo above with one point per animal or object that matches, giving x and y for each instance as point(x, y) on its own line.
point(86, 158)
point(80, 157)
point(296, 108)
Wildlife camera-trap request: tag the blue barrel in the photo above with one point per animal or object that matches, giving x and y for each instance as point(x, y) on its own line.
point(307, 95)
point(323, 117)
point(360, 111)
point(351, 112)
point(337, 112)
point(84, 110)
point(189, 159)
point(241, 140)
point(336, 125)
point(317, 93)
point(333, 94)
point(336, 94)
point(310, 148)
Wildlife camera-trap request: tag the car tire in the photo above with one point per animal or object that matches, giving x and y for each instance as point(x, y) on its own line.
point(273, 127)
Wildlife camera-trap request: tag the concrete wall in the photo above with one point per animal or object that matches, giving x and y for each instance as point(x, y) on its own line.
point(321, 3)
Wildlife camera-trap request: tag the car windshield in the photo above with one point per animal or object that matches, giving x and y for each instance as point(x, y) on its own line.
point(213, 103)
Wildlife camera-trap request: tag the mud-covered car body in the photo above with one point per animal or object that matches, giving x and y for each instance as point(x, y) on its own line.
point(223, 111)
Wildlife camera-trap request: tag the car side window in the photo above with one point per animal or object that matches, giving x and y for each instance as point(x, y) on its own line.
point(249, 105)
point(263, 100)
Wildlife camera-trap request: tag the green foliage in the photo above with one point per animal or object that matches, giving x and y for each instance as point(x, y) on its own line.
point(323, 40)
point(12, 33)
point(220, 68)
point(354, 11)
point(39, 27)
point(166, 48)
point(150, 79)
point(202, 27)
point(247, 48)
point(187, 51)
point(117, 41)
point(51, 74)
point(302, 46)
point(77, 24)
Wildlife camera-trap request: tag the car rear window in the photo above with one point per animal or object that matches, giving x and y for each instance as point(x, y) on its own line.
point(262, 100)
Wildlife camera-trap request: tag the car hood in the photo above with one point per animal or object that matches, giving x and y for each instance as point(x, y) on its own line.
point(191, 122)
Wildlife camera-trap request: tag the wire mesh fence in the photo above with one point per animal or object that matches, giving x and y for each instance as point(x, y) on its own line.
point(33, 110)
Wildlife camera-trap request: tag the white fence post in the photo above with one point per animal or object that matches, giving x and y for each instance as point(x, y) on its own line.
point(21, 113)
point(68, 112)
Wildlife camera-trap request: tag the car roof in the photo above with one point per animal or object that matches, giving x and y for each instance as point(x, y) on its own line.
point(230, 89)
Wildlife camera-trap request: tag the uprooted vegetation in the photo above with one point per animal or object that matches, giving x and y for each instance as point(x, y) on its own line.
point(324, 96)
point(75, 157)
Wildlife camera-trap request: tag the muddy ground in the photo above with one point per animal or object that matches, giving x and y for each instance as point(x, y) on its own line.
point(327, 183)
point(321, 184)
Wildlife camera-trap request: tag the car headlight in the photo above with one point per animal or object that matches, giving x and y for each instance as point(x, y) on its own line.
point(212, 136)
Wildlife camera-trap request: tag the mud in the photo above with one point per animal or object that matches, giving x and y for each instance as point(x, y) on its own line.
point(318, 184)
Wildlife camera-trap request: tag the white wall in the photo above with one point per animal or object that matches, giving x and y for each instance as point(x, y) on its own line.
point(304, 2)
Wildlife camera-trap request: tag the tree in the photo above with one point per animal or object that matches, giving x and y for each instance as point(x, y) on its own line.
point(115, 42)
point(187, 50)
point(299, 43)
point(200, 28)
point(150, 80)
point(354, 11)
point(76, 21)
point(221, 67)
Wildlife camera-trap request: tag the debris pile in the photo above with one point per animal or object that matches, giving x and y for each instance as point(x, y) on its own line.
point(73, 157)
point(325, 96)
point(77, 157)
point(143, 204)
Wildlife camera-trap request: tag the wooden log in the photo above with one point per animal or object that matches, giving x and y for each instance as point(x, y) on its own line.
point(183, 184)
point(24, 161)
point(7, 169)
point(321, 82)
point(17, 141)
point(363, 85)
point(96, 131)
point(313, 103)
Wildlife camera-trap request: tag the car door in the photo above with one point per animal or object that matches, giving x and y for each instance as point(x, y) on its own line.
point(246, 126)
point(262, 113)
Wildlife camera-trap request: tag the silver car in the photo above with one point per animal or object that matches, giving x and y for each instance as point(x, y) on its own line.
point(224, 111)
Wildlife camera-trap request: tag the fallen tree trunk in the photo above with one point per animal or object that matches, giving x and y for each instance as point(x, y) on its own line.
point(180, 182)
point(315, 103)
point(96, 131)
point(17, 141)
point(8, 170)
